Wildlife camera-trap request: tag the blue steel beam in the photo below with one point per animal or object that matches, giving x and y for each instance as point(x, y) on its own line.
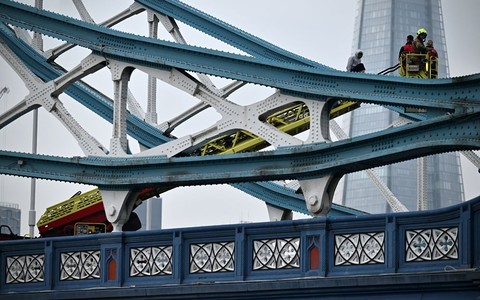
point(287, 198)
point(294, 78)
point(225, 32)
point(451, 133)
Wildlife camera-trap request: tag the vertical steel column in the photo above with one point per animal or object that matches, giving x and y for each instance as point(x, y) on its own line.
point(119, 142)
point(151, 115)
point(38, 44)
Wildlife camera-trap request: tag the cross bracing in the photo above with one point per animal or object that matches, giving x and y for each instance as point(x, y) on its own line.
point(450, 122)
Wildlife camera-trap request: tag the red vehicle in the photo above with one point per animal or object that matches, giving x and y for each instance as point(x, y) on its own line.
point(83, 214)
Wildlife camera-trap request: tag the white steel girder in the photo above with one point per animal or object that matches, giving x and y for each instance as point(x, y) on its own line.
point(318, 192)
point(171, 124)
point(120, 75)
point(151, 115)
point(46, 95)
point(276, 213)
point(172, 28)
point(83, 11)
point(234, 116)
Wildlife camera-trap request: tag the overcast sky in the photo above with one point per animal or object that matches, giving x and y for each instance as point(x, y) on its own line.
point(319, 30)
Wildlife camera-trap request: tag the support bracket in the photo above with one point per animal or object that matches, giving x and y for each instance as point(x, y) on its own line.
point(318, 193)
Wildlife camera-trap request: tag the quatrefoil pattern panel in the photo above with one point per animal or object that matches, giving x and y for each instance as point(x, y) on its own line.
point(359, 248)
point(151, 261)
point(80, 265)
point(25, 268)
point(431, 244)
point(212, 257)
point(276, 254)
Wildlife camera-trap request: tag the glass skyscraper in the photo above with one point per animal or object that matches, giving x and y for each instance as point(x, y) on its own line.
point(381, 28)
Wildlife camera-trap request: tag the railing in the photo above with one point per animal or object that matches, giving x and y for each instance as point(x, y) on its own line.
point(418, 65)
point(411, 242)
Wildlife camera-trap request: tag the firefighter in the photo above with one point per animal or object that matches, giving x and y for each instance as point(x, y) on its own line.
point(418, 43)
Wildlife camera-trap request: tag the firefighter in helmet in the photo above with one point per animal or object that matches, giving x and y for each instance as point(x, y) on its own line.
point(419, 42)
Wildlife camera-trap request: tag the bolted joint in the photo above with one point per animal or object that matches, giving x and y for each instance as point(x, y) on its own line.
point(313, 200)
point(111, 210)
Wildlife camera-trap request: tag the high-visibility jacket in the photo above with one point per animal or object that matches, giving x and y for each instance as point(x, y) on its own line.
point(419, 46)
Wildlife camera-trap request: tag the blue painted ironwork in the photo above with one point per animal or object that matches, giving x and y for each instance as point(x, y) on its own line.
point(412, 248)
point(25, 268)
point(295, 78)
point(80, 265)
point(276, 254)
point(212, 257)
point(452, 132)
point(314, 81)
point(432, 244)
point(360, 248)
point(402, 245)
point(151, 261)
point(224, 32)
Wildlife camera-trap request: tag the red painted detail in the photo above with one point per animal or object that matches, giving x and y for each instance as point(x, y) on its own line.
point(112, 269)
point(314, 258)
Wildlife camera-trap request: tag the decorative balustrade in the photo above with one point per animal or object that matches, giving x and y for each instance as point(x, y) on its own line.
point(324, 247)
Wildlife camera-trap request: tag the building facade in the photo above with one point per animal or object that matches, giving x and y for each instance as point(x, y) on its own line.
point(10, 215)
point(381, 28)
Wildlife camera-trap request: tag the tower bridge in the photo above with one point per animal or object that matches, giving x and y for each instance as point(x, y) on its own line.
point(433, 254)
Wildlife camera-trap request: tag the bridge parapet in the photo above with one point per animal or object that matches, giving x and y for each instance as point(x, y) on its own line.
point(445, 240)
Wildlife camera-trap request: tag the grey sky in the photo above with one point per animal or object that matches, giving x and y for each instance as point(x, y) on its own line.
point(319, 30)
